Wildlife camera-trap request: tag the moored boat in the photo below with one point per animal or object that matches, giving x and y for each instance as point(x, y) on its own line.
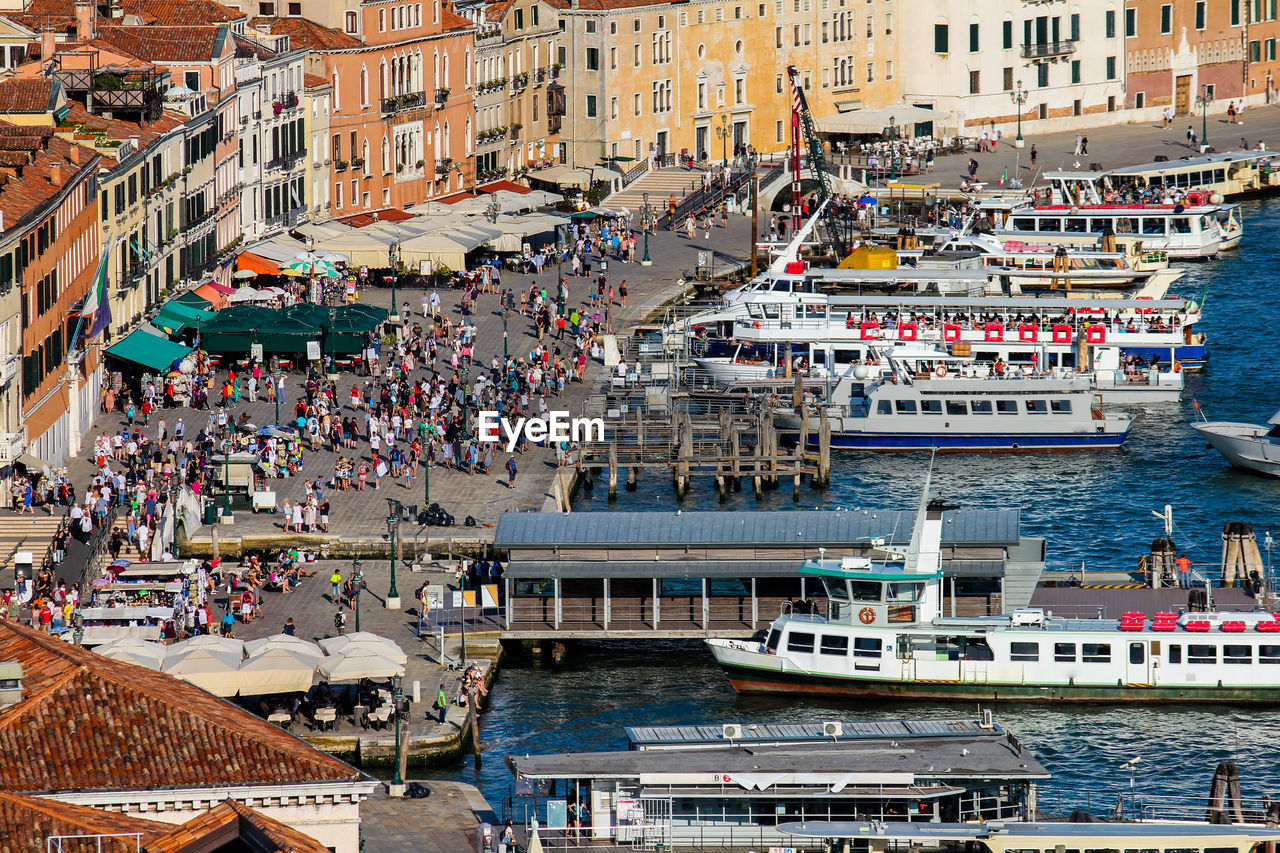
point(1254, 447)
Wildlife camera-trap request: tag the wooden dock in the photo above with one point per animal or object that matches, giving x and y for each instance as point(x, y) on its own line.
point(730, 447)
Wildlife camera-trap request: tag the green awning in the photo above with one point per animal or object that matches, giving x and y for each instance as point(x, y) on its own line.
point(142, 348)
point(175, 316)
point(194, 300)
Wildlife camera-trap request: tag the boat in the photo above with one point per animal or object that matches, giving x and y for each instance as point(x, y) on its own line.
point(883, 635)
point(1023, 837)
point(1229, 174)
point(1253, 447)
point(902, 410)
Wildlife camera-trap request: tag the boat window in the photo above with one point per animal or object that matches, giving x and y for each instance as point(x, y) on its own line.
point(1175, 654)
point(772, 310)
point(1050, 225)
point(905, 407)
point(846, 356)
point(800, 642)
point(781, 285)
point(866, 647)
point(772, 643)
point(1007, 407)
point(1099, 225)
point(1152, 225)
point(956, 407)
point(1037, 407)
point(1268, 654)
point(981, 407)
point(1237, 654)
point(902, 593)
point(835, 645)
point(1095, 652)
point(1060, 407)
point(1181, 225)
point(884, 408)
point(865, 590)
point(1022, 223)
point(754, 310)
point(1137, 653)
point(1024, 651)
point(1182, 850)
point(1219, 175)
point(815, 312)
point(1101, 850)
point(1126, 225)
point(1142, 850)
point(1202, 654)
point(820, 356)
point(1076, 224)
point(1064, 652)
point(1221, 850)
point(931, 407)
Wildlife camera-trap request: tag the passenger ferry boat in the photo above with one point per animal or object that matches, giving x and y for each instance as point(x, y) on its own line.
point(1230, 174)
point(884, 635)
point(900, 411)
point(1074, 203)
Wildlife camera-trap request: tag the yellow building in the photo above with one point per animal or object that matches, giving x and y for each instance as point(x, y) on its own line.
point(709, 77)
point(317, 103)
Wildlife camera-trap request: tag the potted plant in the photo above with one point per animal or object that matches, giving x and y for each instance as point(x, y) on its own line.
point(277, 107)
point(357, 162)
point(421, 163)
point(399, 167)
point(341, 164)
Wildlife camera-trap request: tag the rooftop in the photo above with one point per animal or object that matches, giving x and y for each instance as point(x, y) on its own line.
point(1018, 829)
point(31, 159)
point(306, 35)
point(29, 95)
point(165, 43)
point(674, 737)
point(808, 528)
point(128, 727)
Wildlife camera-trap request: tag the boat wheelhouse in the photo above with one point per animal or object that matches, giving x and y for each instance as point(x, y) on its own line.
point(884, 635)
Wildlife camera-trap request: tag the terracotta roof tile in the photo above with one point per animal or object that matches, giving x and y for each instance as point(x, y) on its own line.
point(184, 13)
point(306, 35)
point(313, 81)
point(26, 822)
point(26, 177)
point(162, 43)
point(451, 20)
point(127, 727)
point(121, 129)
point(284, 838)
point(23, 95)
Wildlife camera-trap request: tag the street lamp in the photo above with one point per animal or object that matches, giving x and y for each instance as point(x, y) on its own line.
point(393, 256)
point(1202, 101)
point(505, 355)
point(275, 392)
point(893, 148)
point(394, 513)
point(1019, 97)
point(646, 220)
point(397, 697)
point(724, 132)
point(355, 593)
point(491, 210)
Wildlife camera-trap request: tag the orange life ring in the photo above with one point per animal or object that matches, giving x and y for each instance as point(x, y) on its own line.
point(941, 370)
point(1177, 367)
point(867, 615)
point(756, 324)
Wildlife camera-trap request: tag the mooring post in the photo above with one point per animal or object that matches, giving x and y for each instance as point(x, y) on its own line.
point(632, 476)
point(613, 470)
point(824, 448)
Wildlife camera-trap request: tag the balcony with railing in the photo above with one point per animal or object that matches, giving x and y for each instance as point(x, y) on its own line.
point(487, 35)
point(409, 101)
point(442, 97)
point(443, 166)
point(288, 219)
point(1048, 49)
point(12, 445)
point(287, 160)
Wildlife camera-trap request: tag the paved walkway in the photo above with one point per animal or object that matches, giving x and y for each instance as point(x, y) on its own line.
point(485, 497)
point(1111, 146)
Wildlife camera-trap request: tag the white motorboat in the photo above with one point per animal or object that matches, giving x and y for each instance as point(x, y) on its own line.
point(1254, 447)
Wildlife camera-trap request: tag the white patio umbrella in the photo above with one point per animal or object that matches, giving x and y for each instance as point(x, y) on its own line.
point(383, 645)
point(363, 661)
point(276, 670)
point(226, 645)
point(283, 642)
point(216, 672)
point(130, 650)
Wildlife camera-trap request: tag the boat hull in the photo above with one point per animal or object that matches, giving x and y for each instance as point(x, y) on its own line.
point(749, 680)
point(1243, 445)
point(960, 443)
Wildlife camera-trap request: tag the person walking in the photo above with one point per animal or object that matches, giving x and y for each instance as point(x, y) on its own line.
point(511, 472)
point(1034, 154)
point(1078, 143)
point(442, 702)
point(1084, 144)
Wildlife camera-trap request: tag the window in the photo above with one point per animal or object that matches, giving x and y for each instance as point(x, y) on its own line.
point(613, 28)
point(1006, 35)
point(940, 38)
point(1237, 654)
point(1166, 19)
point(350, 19)
point(956, 407)
point(1200, 10)
point(519, 22)
point(905, 407)
point(1255, 51)
point(1111, 68)
point(1095, 652)
point(613, 57)
point(973, 38)
point(1007, 79)
point(1269, 654)
point(1024, 652)
point(1202, 654)
point(835, 645)
point(266, 8)
point(589, 26)
point(931, 407)
point(1137, 653)
point(871, 73)
point(1042, 75)
point(1064, 652)
point(1110, 27)
point(635, 106)
point(1175, 654)
point(866, 647)
point(1075, 71)
point(1037, 407)
point(1271, 49)
point(974, 87)
point(1007, 407)
point(533, 15)
point(593, 59)
point(777, 135)
point(591, 106)
point(613, 107)
point(883, 408)
point(1235, 13)
point(980, 407)
point(1130, 23)
point(800, 642)
point(1060, 407)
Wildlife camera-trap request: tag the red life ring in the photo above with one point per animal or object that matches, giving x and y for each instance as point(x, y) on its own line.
point(1144, 310)
point(908, 332)
point(950, 332)
point(941, 370)
point(870, 331)
point(867, 615)
point(1061, 334)
point(1096, 334)
point(995, 332)
point(1028, 333)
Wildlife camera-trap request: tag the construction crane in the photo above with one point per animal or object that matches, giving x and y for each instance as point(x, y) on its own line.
point(803, 130)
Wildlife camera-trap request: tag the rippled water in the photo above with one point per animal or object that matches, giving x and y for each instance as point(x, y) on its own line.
point(1092, 507)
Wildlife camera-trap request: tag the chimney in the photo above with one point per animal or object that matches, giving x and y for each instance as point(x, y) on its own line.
point(10, 683)
point(55, 175)
point(86, 21)
point(77, 154)
point(46, 45)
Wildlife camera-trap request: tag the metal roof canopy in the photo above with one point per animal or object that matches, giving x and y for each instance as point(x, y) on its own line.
point(689, 566)
point(1018, 829)
point(808, 528)
point(669, 737)
point(978, 302)
point(1226, 157)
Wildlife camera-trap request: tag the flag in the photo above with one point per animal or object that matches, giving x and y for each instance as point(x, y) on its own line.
point(97, 305)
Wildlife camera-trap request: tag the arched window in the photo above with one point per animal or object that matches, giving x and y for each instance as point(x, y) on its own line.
point(382, 79)
point(337, 96)
point(364, 87)
point(466, 140)
point(435, 70)
point(444, 77)
point(364, 155)
point(386, 154)
point(466, 69)
point(446, 139)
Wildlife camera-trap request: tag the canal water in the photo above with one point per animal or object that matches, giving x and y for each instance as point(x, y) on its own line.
point(1092, 507)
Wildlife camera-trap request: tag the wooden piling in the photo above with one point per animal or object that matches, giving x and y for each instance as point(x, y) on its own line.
point(613, 470)
point(824, 448)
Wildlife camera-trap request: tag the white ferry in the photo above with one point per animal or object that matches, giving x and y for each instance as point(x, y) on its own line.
point(1211, 177)
point(902, 411)
point(884, 635)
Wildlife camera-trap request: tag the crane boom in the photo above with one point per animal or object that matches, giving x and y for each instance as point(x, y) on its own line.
point(804, 132)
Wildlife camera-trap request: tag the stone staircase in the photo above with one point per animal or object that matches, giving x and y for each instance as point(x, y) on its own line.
point(27, 532)
point(659, 185)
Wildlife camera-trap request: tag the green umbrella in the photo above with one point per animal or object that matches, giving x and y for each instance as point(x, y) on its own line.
point(307, 265)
